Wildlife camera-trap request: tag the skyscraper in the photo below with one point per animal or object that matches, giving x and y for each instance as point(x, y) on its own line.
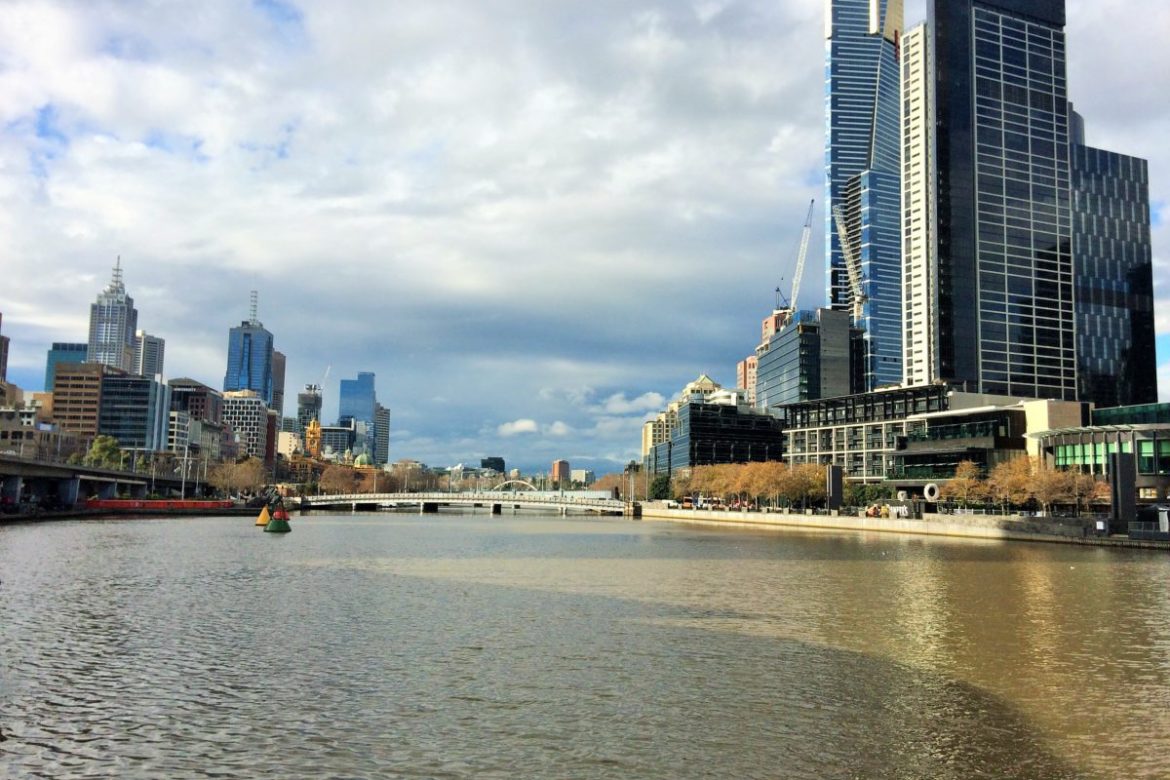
point(356, 398)
point(308, 407)
point(113, 321)
point(278, 366)
point(1113, 276)
point(862, 153)
point(249, 365)
point(3, 355)
point(148, 354)
point(381, 435)
point(1026, 253)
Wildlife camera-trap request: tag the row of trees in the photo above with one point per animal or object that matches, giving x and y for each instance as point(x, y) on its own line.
point(1021, 481)
point(774, 483)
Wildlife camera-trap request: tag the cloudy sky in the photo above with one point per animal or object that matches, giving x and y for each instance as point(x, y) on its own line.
point(534, 221)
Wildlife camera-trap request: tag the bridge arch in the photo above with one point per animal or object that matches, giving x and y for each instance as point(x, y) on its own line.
point(528, 485)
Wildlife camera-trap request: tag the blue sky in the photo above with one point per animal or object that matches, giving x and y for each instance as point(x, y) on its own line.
point(533, 221)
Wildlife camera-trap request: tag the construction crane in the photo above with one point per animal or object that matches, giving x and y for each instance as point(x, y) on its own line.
point(787, 308)
point(852, 265)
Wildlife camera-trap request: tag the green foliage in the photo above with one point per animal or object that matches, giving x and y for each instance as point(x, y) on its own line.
point(660, 487)
point(104, 453)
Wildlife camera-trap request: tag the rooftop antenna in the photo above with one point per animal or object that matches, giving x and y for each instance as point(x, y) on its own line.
point(116, 282)
point(254, 308)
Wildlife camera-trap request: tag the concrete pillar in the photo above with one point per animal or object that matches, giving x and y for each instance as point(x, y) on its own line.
point(68, 491)
point(10, 488)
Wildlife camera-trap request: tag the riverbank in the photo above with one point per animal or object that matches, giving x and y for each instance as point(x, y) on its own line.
point(988, 527)
point(87, 513)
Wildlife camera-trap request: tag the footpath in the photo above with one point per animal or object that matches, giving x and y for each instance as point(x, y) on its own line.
point(990, 527)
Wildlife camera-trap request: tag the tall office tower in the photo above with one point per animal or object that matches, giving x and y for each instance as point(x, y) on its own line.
point(148, 354)
point(249, 365)
point(357, 398)
point(1114, 279)
point(247, 415)
point(3, 355)
point(1003, 242)
point(1026, 253)
point(112, 323)
point(62, 352)
point(862, 170)
point(278, 364)
point(381, 435)
point(308, 407)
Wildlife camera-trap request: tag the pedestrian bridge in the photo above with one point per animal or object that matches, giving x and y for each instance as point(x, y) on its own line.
point(497, 502)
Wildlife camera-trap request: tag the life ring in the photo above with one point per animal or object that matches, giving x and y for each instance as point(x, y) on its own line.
point(930, 492)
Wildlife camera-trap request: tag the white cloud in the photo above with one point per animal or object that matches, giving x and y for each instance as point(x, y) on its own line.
point(517, 427)
point(647, 402)
point(505, 216)
point(558, 428)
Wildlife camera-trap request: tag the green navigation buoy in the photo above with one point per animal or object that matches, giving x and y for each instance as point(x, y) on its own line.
point(278, 526)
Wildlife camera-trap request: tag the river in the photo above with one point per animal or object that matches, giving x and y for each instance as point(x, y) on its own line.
point(526, 646)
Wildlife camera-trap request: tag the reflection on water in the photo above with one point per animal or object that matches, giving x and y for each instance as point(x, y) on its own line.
point(470, 646)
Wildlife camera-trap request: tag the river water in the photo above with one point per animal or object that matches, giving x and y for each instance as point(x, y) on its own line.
point(471, 646)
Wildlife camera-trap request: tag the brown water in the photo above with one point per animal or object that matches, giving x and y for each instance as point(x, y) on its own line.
point(542, 647)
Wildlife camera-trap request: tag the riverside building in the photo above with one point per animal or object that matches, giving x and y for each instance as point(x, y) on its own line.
point(862, 173)
point(1025, 252)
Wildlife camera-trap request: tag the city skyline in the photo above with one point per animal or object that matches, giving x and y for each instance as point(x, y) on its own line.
point(533, 242)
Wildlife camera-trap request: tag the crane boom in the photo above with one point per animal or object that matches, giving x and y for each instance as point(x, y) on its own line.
point(801, 255)
point(852, 264)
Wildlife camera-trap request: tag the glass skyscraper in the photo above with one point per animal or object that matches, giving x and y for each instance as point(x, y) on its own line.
point(250, 360)
point(1027, 255)
point(1113, 274)
point(113, 321)
point(862, 173)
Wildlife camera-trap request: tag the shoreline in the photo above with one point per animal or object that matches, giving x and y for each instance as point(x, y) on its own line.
point(981, 527)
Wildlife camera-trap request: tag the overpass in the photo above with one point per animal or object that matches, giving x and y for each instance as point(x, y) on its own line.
point(497, 501)
point(31, 482)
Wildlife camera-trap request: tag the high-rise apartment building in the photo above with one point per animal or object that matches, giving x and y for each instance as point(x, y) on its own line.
point(249, 365)
point(813, 355)
point(148, 354)
point(62, 352)
point(113, 321)
point(245, 412)
point(1026, 253)
point(862, 171)
point(381, 435)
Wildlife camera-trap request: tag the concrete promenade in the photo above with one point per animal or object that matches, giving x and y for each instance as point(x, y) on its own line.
point(984, 527)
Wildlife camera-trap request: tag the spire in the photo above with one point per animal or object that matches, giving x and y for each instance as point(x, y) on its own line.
point(253, 312)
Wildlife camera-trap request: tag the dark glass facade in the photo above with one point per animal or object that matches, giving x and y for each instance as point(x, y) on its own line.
point(250, 360)
point(1114, 278)
point(135, 411)
point(708, 434)
point(815, 355)
point(1005, 289)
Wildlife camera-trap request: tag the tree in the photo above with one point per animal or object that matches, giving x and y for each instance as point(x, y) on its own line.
point(251, 476)
point(1050, 486)
point(1010, 482)
point(966, 485)
point(338, 479)
point(660, 487)
point(104, 453)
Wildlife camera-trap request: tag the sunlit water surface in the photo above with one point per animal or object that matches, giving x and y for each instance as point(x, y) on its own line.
point(467, 646)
